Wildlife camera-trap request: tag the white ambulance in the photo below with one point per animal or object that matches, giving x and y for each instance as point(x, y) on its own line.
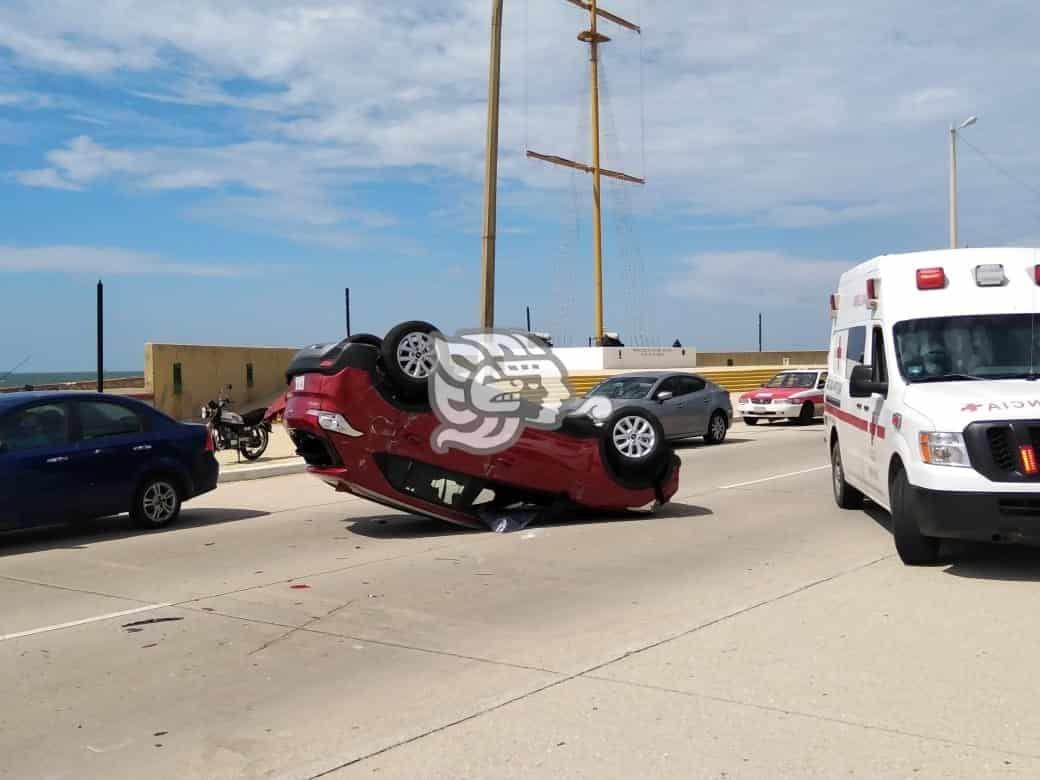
point(932, 405)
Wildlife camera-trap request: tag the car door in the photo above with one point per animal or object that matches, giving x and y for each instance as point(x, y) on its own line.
point(40, 480)
point(115, 443)
point(850, 417)
point(876, 411)
point(697, 405)
point(670, 411)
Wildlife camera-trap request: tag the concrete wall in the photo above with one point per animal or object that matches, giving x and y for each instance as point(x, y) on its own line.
point(205, 369)
point(794, 358)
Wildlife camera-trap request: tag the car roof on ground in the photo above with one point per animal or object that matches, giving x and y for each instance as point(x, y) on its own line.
point(9, 400)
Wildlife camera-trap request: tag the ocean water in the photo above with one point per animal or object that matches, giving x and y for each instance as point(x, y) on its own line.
point(53, 377)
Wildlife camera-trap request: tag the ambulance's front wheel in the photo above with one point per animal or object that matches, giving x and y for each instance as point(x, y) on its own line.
point(846, 496)
point(914, 548)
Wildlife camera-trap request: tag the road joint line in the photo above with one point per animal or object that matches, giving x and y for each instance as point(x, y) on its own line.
point(812, 716)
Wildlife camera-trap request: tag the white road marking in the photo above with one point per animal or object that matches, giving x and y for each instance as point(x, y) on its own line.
point(83, 622)
point(775, 476)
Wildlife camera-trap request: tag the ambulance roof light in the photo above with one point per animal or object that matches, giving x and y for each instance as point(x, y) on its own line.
point(931, 278)
point(990, 275)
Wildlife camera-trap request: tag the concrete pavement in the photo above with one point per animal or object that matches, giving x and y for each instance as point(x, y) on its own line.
point(750, 629)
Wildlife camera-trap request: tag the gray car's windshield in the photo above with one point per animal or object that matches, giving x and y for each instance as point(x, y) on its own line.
point(992, 346)
point(627, 388)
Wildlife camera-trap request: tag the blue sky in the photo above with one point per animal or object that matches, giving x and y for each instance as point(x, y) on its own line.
point(229, 166)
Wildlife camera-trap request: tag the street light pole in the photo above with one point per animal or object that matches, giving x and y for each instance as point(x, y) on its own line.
point(953, 176)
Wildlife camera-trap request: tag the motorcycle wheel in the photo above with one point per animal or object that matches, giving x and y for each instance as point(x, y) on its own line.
point(249, 450)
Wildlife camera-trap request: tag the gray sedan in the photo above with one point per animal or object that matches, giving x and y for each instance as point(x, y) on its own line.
point(687, 405)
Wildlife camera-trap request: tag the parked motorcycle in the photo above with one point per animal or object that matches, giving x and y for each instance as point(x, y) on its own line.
point(248, 433)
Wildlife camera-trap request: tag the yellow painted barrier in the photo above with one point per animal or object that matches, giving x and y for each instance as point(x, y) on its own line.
point(733, 379)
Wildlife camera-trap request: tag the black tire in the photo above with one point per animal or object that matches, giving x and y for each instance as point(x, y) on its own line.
point(635, 443)
point(254, 452)
point(845, 496)
point(750, 420)
point(408, 357)
point(365, 338)
point(914, 548)
point(157, 502)
point(717, 427)
point(805, 417)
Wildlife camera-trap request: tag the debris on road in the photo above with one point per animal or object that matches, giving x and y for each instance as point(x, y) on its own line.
point(136, 625)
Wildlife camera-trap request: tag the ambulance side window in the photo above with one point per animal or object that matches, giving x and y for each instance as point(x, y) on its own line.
point(855, 351)
point(879, 368)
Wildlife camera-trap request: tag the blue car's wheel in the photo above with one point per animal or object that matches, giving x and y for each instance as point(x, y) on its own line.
point(157, 502)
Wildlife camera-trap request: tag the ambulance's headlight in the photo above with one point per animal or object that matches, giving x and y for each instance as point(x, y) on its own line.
point(944, 449)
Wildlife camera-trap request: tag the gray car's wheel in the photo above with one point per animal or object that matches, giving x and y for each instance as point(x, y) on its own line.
point(157, 502)
point(717, 428)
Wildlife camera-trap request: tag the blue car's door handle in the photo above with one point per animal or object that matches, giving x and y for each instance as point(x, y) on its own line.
point(142, 448)
point(59, 459)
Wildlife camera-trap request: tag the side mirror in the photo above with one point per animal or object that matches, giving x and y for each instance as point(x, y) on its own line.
point(862, 385)
point(664, 395)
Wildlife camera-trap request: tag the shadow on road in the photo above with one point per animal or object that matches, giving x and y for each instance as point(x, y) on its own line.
point(1011, 563)
point(417, 527)
point(977, 560)
point(404, 527)
point(79, 535)
point(698, 443)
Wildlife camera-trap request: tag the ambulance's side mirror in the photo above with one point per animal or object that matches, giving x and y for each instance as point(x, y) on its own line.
point(862, 384)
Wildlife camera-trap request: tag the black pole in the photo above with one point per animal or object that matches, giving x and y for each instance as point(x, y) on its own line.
point(347, 299)
point(528, 319)
point(760, 332)
point(100, 337)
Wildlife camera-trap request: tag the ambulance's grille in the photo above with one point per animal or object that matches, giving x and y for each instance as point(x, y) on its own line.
point(1000, 448)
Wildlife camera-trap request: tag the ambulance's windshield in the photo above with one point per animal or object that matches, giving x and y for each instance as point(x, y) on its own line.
point(989, 346)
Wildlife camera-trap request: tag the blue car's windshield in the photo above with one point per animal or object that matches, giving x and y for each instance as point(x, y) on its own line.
point(627, 388)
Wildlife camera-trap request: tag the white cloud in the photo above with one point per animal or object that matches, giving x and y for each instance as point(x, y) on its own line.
point(796, 115)
point(765, 279)
point(107, 261)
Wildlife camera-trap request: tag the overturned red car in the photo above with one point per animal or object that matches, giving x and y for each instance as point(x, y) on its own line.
point(359, 413)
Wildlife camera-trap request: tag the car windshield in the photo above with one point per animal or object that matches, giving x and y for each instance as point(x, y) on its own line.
point(987, 346)
point(628, 388)
point(792, 379)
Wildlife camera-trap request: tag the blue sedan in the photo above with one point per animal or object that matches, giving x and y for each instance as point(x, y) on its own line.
point(74, 455)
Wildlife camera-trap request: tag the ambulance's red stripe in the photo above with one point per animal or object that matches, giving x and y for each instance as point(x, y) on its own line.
point(857, 422)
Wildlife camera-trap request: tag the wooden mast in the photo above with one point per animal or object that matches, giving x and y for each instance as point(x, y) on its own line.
point(594, 38)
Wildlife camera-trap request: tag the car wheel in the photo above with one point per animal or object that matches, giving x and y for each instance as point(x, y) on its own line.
point(750, 420)
point(807, 414)
point(409, 357)
point(716, 429)
point(635, 441)
point(914, 548)
point(846, 496)
point(157, 502)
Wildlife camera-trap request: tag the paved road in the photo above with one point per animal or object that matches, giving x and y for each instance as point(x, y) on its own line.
point(750, 630)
